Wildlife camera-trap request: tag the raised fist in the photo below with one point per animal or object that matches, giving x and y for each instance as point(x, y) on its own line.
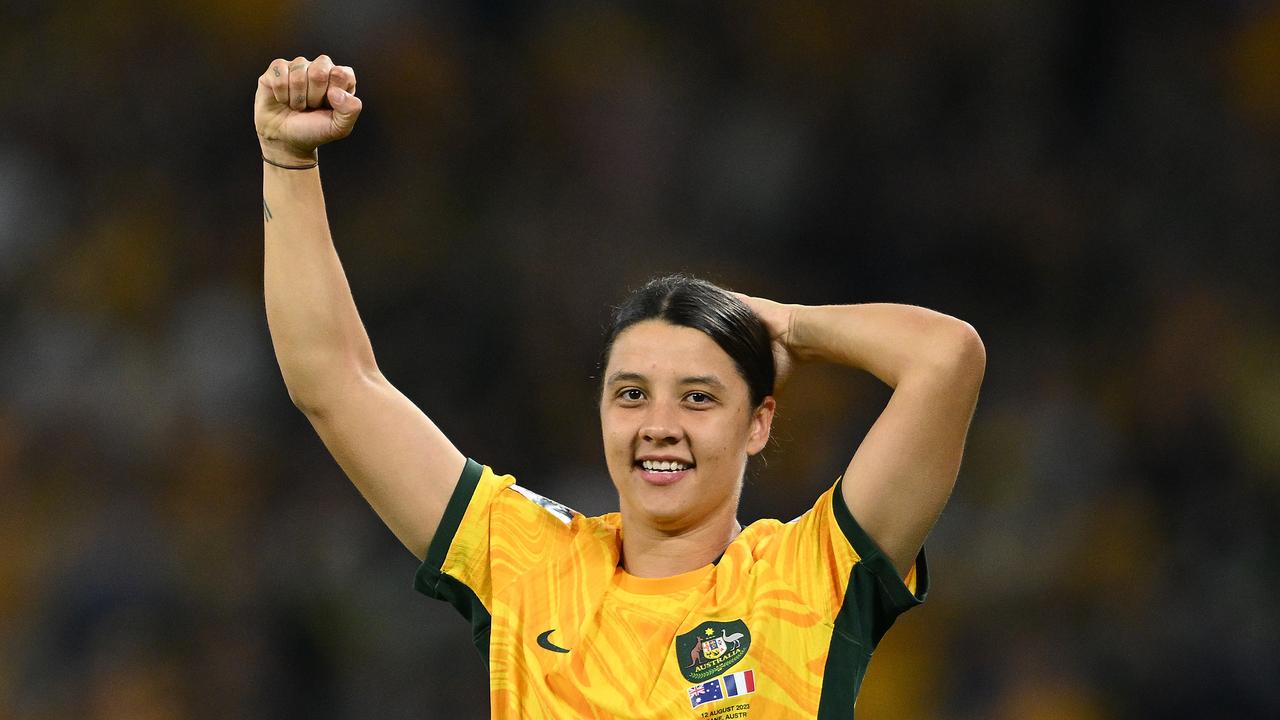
point(302, 104)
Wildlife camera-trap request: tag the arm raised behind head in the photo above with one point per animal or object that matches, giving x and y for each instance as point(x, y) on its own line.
point(902, 473)
point(401, 462)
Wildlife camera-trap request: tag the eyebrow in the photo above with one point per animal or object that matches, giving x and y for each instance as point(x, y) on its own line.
point(624, 376)
point(629, 376)
point(710, 380)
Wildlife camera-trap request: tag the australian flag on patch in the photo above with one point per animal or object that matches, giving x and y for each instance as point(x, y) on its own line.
point(708, 691)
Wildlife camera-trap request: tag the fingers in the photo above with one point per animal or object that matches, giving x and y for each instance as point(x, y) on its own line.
point(301, 104)
point(297, 98)
point(318, 80)
point(276, 79)
point(304, 84)
point(346, 109)
point(343, 77)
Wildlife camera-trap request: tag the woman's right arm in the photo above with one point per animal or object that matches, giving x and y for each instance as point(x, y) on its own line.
point(401, 462)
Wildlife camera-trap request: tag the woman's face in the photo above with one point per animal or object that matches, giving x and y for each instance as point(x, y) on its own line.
point(678, 426)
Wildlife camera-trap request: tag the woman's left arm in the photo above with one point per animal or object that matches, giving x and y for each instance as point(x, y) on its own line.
point(902, 474)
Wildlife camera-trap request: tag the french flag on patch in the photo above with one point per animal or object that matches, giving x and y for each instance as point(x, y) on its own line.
point(740, 683)
point(708, 691)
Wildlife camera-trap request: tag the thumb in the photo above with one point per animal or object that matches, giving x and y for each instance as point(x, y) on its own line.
point(346, 108)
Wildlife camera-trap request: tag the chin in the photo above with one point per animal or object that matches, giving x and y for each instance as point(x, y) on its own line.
point(663, 508)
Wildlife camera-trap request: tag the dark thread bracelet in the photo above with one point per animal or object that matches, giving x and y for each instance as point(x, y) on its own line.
point(291, 167)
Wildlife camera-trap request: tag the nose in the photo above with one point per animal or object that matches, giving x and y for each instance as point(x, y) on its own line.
point(661, 425)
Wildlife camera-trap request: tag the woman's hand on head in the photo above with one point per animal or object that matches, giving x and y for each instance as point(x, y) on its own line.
point(779, 321)
point(302, 104)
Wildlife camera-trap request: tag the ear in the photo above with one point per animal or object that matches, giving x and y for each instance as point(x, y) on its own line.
point(761, 425)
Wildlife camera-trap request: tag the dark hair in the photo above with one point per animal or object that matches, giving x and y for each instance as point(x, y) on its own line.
point(695, 303)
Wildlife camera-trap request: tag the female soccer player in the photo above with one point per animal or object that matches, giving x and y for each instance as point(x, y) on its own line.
point(667, 608)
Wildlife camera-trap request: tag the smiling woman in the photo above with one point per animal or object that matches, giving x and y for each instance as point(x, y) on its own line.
point(676, 440)
point(668, 604)
point(687, 397)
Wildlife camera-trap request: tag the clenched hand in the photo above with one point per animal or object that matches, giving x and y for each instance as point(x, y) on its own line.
point(302, 104)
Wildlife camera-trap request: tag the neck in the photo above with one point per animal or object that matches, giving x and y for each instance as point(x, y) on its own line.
point(648, 551)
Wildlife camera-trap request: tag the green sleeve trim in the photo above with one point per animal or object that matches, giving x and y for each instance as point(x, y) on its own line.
point(453, 512)
point(847, 661)
point(898, 597)
point(431, 582)
point(874, 597)
point(431, 579)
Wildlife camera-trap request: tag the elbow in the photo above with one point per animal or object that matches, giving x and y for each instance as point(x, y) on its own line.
point(960, 353)
point(971, 350)
point(307, 397)
point(308, 403)
point(315, 394)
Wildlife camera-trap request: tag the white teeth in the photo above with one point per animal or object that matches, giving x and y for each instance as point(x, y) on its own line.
point(663, 465)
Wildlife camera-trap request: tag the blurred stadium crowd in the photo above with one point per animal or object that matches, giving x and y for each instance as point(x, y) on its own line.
point(1093, 186)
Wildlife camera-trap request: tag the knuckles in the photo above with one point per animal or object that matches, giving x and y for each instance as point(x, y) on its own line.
point(288, 79)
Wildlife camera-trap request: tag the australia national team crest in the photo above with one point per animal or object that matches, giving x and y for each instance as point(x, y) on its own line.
point(711, 648)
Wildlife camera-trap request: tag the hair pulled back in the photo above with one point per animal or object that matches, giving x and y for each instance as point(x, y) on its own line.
point(695, 303)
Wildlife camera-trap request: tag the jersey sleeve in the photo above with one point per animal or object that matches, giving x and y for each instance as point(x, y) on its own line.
point(492, 531)
point(841, 571)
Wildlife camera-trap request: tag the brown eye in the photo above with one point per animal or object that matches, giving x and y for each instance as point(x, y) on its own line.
point(699, 398)
point(632, 394)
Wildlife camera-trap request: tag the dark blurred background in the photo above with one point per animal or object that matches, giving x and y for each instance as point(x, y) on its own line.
point(1093, 185)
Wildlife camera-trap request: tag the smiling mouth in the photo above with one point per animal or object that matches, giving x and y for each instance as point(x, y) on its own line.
point(662, 473)
point(664, 466)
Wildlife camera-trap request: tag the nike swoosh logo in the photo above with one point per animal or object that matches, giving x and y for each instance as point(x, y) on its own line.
point(546, 644)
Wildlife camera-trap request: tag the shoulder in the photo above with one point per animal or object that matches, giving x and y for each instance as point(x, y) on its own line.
point(818, 529)
point(544, 526)
point(554, 512)
point(482, 488)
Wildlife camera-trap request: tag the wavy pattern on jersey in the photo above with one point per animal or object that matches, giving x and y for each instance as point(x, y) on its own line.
point(533, 573)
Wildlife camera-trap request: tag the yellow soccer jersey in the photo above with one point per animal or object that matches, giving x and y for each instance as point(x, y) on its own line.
point(781, 627)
